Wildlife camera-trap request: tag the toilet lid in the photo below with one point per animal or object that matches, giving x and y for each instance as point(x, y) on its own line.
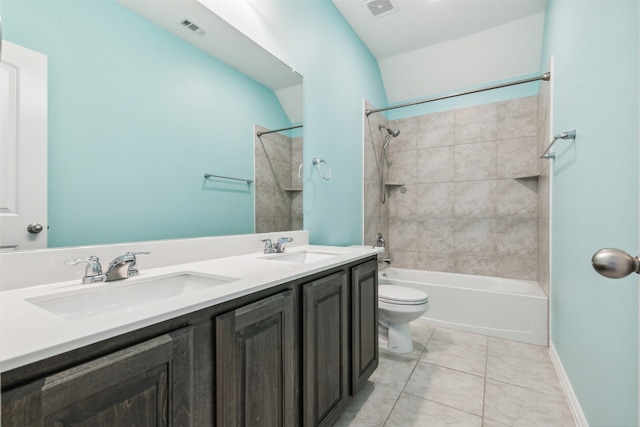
point(401, 295)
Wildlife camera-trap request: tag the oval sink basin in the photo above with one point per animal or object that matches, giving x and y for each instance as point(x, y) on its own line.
point(122, 295)
point(302, 256)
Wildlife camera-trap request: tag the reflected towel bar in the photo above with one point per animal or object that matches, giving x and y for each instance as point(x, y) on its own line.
point(208, 175)
point(571, 134)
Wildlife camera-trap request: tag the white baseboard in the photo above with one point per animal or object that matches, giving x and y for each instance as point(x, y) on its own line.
point(576, 410)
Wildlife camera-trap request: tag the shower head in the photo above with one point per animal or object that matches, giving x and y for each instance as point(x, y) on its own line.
point(393, 133)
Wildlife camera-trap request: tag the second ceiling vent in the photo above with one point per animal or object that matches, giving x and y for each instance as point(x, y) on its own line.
point(379, 8)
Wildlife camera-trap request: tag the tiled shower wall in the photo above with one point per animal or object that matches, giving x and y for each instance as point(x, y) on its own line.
point(468, 199)
point(278, 191)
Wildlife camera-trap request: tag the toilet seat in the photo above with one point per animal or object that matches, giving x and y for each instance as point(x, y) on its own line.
point(401, 295)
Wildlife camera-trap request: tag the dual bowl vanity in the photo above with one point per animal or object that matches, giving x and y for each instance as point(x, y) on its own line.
point(253, 339)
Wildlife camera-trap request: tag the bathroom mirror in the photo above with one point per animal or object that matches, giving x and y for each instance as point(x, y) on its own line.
point(144, 99)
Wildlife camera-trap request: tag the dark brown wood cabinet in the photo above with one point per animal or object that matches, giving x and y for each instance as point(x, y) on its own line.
point(325, 348)
point(291, 355)
point(148, 384)
point(364, 323)
point(255, 364)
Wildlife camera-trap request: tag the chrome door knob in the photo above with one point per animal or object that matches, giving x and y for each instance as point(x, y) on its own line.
point(615, 263)
point(34, 228)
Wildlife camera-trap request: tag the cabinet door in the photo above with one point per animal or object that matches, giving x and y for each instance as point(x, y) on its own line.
point(364, 332)
point(255, 364)
point(148, 384)
point(325, 383)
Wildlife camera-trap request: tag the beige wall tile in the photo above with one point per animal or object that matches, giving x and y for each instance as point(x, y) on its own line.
point(475, 198)
point(517, 157)
point(477, 265)
point(517, 237)
point(517, 197)
point(475, 161)
point(517, 268)
point(476, 236)
point(517, 117)
point(476, 124)
point(435, 200)
point(408, 137)
point(402, 167)
point(436, 130)
point(435, 164)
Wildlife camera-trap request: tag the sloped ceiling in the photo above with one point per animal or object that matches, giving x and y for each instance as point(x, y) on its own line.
point(426, 47)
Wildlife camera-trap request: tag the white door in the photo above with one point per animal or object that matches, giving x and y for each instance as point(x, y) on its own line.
point(23, 148)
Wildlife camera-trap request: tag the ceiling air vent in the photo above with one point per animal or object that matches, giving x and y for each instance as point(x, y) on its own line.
point(381, 7)
point(189, 25)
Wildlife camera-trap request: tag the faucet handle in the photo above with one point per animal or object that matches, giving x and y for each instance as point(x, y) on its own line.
point(131, 256)
point(268, 246)
point(93, 271)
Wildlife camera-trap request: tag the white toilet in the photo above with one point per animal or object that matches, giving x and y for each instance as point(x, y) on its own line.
point(397, 306)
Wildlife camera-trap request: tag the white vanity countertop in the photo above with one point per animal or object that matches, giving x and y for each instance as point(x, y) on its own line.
point(29, 333)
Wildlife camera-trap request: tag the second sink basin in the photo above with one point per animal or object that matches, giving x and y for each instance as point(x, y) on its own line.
point(114, 296)
point(303, 256)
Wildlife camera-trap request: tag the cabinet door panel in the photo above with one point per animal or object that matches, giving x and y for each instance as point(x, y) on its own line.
point(325, 349)
point(255, 364)
point(148, 384)
point(364, 307)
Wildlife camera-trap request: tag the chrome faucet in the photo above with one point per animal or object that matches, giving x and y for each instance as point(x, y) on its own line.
point(278, 247)
point(384, 260)
point(122, 267)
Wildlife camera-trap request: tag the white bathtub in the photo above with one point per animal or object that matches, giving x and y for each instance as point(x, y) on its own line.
point(503, 308)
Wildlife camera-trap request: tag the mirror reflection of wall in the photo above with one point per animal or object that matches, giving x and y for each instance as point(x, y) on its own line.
point(136, 117)
point(278, 186)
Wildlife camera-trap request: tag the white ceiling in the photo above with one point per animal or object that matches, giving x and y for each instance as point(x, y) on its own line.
point(415, 24)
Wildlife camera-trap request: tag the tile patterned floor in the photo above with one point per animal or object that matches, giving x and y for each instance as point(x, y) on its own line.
point(455, 378)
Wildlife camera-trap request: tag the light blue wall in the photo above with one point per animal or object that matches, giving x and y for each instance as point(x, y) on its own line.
point(595, 201)
point(136, 116)
point(340, 74)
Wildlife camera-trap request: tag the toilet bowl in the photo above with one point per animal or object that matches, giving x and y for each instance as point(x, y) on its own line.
point(397, 306)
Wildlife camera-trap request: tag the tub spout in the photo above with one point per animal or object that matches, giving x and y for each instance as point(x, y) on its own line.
point(384, 260)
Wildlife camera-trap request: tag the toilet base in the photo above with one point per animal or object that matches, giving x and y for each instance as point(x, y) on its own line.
point(397, 337)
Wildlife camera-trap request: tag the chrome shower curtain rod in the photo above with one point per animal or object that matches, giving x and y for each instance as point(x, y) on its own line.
point(545, 77)
point(259, 134)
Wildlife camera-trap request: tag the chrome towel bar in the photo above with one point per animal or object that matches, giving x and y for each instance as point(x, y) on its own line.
point(571, 134)
point(208, 175)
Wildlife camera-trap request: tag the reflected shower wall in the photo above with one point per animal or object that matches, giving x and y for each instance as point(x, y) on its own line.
point(278, 190)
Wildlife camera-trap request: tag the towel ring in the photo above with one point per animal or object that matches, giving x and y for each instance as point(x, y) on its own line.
point(317, 161)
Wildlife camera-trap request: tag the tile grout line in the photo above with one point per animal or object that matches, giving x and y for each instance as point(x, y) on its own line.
point(407, 381)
